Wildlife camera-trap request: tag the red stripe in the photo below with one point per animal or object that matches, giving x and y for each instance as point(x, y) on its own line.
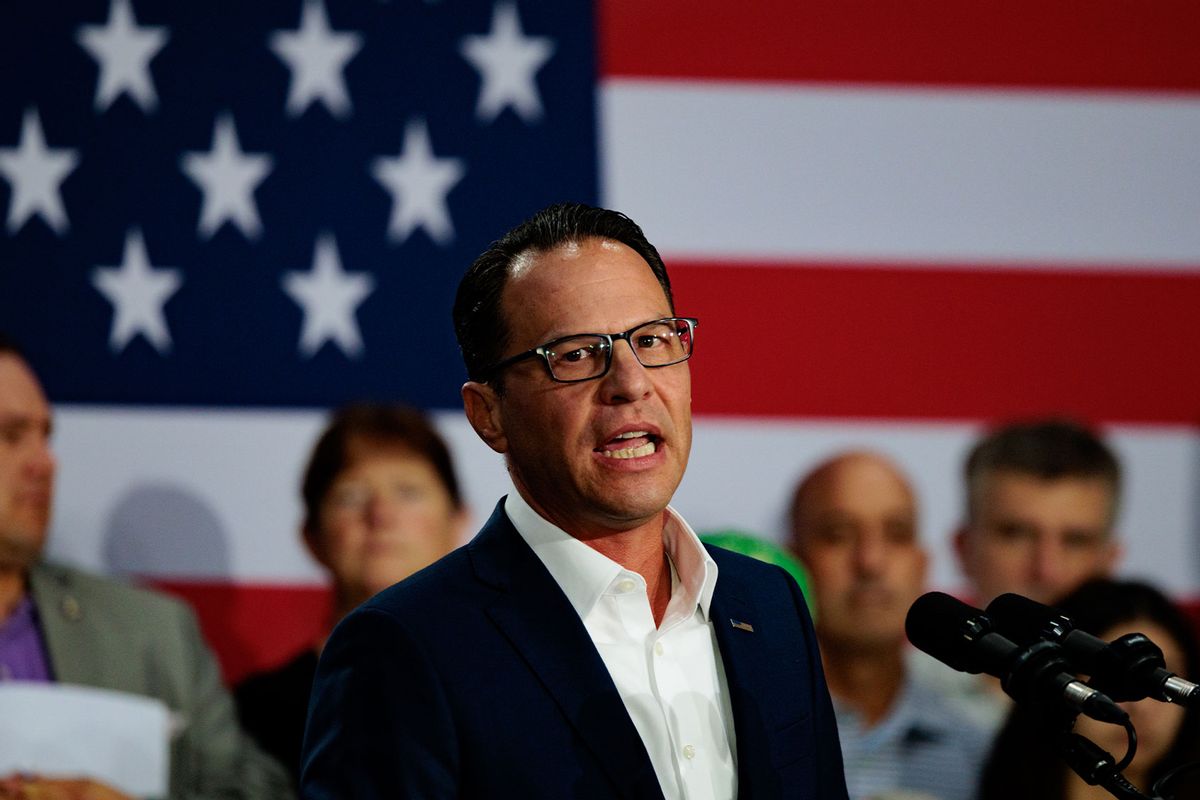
point(839, 341)
point(1089, 44)
point(252, 626)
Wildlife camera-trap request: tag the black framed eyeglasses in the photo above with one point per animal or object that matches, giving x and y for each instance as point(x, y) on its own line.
point(587, 356)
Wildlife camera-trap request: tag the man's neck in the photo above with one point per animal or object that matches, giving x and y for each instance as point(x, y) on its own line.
point(12, 590)
point(638, 548)
point(868, 682)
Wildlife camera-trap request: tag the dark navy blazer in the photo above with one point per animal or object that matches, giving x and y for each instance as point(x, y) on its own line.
point(476, 678)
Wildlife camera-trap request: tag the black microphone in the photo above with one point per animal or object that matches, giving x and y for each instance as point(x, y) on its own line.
point(1128, 668)
point(963, 637)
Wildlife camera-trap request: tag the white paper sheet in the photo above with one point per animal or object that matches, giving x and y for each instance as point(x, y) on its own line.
point(77, 731)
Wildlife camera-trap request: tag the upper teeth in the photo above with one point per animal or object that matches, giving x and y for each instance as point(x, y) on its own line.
point(632, 435)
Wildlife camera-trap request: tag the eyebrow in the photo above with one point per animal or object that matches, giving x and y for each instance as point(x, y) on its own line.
point(11, 420)
point(569, 334)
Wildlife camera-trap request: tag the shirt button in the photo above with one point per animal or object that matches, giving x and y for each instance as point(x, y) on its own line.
point(625, 586)
point(658, 648)
point(689, 752)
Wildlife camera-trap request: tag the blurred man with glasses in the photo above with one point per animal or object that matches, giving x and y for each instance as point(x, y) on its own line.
point(585, 644)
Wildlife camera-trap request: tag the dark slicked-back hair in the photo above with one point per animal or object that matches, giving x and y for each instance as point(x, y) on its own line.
point(376, 425)
point(479, 321)
point(8, 346)
point(1050, 449)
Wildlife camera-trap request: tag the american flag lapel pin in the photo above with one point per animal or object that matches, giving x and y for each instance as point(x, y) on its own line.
point(742, 626)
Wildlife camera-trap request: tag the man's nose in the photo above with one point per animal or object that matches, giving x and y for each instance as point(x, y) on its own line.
point(627, 380)
point(869, 556)
point(1047, 563)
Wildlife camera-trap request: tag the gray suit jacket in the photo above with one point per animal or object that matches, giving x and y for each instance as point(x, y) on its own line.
point(107, 634)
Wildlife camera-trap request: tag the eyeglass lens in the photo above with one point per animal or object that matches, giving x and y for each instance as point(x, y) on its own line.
point(656, 344)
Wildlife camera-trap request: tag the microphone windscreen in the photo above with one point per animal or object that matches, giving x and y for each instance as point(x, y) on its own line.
point(946, 628)
point(1020, 619)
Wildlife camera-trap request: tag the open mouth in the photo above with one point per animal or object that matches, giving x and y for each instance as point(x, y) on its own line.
point(631, 444)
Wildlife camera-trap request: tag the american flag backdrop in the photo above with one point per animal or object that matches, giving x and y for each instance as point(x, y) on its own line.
point(898, 223)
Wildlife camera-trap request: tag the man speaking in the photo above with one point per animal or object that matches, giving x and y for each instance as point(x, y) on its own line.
point(585, 644)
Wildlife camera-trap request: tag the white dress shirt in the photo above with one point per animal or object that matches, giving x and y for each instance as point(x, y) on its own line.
point(670, 678)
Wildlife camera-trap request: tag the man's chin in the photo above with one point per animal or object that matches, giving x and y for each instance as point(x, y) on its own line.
point(876, 644)
point(643, 493)
point(18, 552)
point(1039, 594)
point(635, 507)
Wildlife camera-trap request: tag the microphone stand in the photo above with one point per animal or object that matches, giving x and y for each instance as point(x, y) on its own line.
point(1095, 765)
point(1160, 786)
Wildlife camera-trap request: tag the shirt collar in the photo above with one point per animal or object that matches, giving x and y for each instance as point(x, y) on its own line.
point(20, 621)
point(584, 574)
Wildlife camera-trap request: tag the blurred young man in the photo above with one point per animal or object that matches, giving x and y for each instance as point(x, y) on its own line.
point(1041, 504)
point(854, 525)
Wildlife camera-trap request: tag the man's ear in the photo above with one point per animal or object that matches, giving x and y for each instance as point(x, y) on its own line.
point(482, 405)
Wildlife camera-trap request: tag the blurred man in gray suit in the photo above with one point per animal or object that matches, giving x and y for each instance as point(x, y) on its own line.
point(61, 625)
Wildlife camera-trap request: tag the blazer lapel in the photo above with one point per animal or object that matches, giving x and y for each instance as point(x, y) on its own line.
point(61, 616)
point(739, 654)
point(536, 617)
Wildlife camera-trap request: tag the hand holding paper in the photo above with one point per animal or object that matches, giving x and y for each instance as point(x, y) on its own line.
point(95, 743)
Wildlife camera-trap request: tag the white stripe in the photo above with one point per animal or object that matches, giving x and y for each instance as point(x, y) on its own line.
point(215, 494)
point(750, 171)
point(183, 493)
